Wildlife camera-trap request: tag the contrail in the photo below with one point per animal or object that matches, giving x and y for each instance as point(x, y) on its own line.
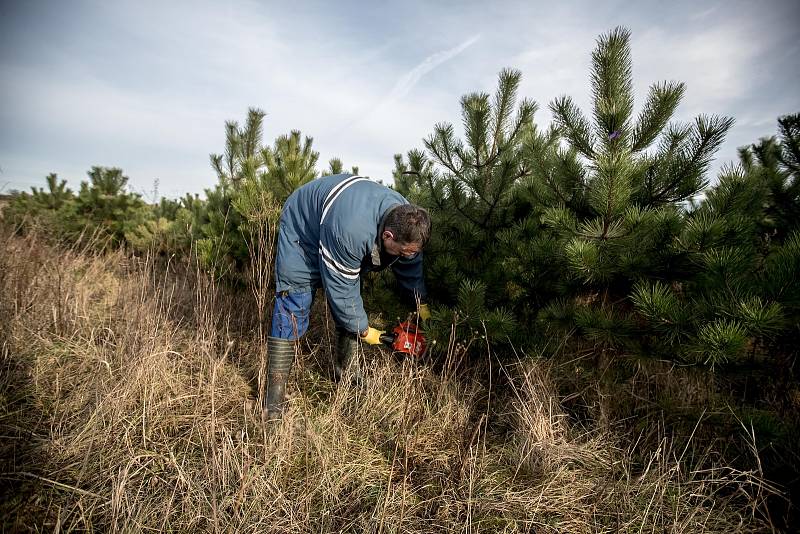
point(410, 79)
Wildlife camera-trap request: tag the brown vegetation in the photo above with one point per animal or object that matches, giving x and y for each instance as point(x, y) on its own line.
point(127, 404)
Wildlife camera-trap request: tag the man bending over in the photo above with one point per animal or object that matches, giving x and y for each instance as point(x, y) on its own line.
point(332, 230)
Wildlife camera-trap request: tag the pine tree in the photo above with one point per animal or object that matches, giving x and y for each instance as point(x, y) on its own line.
point(242, 158)
point(468, 186)
point(102, 212)
point(290, 163)
point(154, 235)
point(248, 168)
point(51, 209)
point(56, 195)
point(222, 248)
point(187, 222)
point(776, 161)
point(561, 223)
point(335, 166)
point(105, 210)
point(740, 302)
point(614, 195)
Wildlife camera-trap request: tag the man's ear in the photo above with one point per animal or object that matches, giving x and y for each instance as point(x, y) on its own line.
point(387, 234)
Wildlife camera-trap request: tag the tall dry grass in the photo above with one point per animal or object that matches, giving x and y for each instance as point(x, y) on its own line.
point(128, 404)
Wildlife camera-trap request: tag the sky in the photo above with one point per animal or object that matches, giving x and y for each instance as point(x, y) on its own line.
point(147, 86)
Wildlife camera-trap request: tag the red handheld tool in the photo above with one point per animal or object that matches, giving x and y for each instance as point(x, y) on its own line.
point(406, 338)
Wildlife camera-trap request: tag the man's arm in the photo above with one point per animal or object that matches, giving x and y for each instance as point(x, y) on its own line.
point(340, 268)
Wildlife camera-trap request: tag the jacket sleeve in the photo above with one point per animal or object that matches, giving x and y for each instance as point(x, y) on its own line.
point(408, 272)
point(340, 267)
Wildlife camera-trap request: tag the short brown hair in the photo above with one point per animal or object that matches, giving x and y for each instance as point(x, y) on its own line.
point(409, 224)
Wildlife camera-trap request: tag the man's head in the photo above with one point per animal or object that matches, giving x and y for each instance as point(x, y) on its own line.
point(406, 230)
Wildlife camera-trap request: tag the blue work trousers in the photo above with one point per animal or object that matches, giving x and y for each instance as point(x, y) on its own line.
point(291, 315)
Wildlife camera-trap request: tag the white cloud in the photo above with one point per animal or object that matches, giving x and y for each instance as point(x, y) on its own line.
point(715, 62)
point(169, 129)
point(557, 68)
point(91, 109)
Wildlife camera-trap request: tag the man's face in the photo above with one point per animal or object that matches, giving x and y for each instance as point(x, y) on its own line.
point(395, 248)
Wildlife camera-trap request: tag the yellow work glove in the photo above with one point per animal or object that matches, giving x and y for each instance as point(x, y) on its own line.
point(424, 312)
point(373, 336)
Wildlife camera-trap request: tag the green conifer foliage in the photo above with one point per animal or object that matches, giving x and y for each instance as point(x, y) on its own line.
point(242, 150)
point(289, 164)
point(569, 224)
point(187, 221)
point(103, 212)
point(154, 235)
point(221, 247)
point(49, 209)
point(776, 162)
point(104, 208)
point(611, 189)
point(172, 228)
point(735, 300)
point(56, 195)
point(161, 232)
point(468, 186)
point(335, 166)
point(247, 172)
point(626, 198)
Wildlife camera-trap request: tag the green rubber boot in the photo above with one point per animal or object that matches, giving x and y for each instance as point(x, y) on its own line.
point(347, 355)
point(281, 356)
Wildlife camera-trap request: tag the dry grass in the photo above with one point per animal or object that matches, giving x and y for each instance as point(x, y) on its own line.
point(127, 405)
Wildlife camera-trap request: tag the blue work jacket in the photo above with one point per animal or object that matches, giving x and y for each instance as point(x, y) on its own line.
point(329, 236)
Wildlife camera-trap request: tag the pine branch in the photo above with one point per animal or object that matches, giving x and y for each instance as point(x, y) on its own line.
point(453, 188)
point(661, 104)
point(475, 111)
point(706, 137)
point(251, 135)
point(746, 157)
point(612, 85)
point(335, 165)
point(440, 144)
point(574, 125)
point(503, 103)
point(789, 127)
point(493, 205)
point(672, 142)
point(423, 169)
point(610, 189)
point(232, 142)
point(523, 120)
point(548, 179)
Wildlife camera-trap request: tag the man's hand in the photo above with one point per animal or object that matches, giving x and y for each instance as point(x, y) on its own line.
point(372, 336)
point(424, 312)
